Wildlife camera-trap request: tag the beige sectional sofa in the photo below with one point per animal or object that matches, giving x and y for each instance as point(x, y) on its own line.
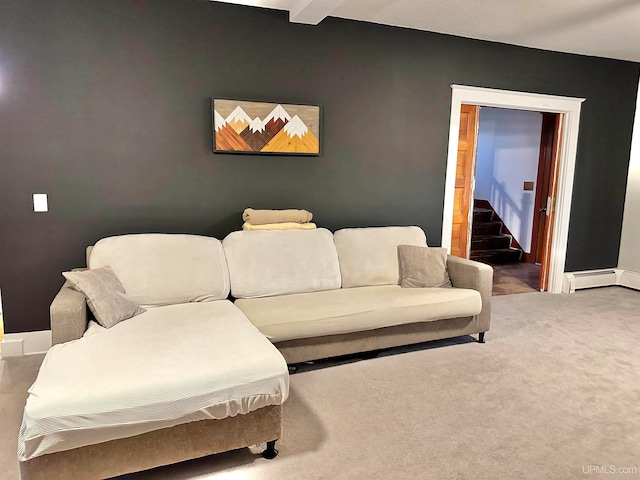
point(317, 295)
point(310, 293)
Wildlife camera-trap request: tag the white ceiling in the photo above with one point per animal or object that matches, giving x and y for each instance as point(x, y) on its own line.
point(603, 28)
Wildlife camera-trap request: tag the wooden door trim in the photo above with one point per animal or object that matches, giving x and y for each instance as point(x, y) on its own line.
point(567, 158)
point(549, 223)
point(465, 175)
point(545, 165)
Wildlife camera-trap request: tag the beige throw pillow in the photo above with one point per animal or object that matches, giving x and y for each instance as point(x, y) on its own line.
point(105, 295)
point(423, 267)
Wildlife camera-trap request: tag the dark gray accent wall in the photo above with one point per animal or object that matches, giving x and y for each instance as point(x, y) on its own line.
point(104, 105)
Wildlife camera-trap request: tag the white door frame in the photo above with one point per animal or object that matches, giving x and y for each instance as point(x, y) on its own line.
point(488, 97)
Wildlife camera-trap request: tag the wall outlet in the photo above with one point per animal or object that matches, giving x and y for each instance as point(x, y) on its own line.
point(40, 203)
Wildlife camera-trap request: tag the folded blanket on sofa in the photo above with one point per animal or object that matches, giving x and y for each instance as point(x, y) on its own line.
point(280, 226)
point(261, 217)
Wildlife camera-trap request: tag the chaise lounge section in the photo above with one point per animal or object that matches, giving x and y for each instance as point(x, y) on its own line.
point(189, 377)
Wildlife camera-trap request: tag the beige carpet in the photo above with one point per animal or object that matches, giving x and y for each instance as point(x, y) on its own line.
point(553, 394)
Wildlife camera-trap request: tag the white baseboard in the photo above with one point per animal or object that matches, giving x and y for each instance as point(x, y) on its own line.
point(600, 278)
point(630, 279)
point(26, 343)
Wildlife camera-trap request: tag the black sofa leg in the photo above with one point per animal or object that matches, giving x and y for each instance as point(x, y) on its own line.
point(270, 452)
point(481, 337)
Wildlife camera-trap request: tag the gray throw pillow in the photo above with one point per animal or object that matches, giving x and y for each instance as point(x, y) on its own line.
point(105, 295)
point(422, 267)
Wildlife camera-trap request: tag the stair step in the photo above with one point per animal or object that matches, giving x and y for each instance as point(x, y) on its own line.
point(486, 228)
point(503, 255)
point(490, 242)
point(482, 215)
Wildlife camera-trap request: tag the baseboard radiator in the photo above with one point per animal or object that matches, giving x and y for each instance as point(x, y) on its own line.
point(608, 277)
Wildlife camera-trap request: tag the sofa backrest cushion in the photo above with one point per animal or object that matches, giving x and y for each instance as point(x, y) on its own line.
point(161, 269)
point(369, 256)
point(263, 263)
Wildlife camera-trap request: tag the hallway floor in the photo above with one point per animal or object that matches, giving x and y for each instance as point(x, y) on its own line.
point(510, 278)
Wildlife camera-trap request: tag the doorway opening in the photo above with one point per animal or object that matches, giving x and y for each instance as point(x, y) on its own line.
point(458, 204)
point(515, 159)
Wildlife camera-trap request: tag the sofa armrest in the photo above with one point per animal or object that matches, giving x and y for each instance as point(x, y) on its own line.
point(69, 315)
point(477, 276)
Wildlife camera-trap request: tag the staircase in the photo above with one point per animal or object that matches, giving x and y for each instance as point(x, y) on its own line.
point(490, 241)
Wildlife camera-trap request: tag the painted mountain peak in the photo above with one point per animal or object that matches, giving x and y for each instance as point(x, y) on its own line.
point(295, 136)
point(238, 115)
point(278, 113)
point(242, 126)
point(256, 135)
point(238, 119)
point(296, 127)
point(228, 139)
point(218, 121)
point(256, 125)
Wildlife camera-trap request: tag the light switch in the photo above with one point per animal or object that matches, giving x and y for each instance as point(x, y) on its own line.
point(40, 203)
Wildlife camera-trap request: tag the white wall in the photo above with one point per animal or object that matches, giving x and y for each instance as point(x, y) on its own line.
point(508, 152)
point(630, 242)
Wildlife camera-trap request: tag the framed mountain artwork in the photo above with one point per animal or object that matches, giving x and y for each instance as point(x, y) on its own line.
point(265, 128)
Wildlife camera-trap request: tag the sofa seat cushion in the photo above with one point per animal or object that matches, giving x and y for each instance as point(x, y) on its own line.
point(163, 269)
point(369, 256)
point(281, 262)
point(170, 365)
point(356, 309)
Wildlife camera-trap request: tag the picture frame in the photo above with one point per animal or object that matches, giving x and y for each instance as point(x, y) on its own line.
point(265, 128)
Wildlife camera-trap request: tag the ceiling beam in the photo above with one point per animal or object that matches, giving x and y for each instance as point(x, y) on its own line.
point(312, 12)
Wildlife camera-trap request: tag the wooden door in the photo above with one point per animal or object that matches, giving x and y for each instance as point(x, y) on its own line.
point(543, 182)
point(465, 168)
point(550, 212)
